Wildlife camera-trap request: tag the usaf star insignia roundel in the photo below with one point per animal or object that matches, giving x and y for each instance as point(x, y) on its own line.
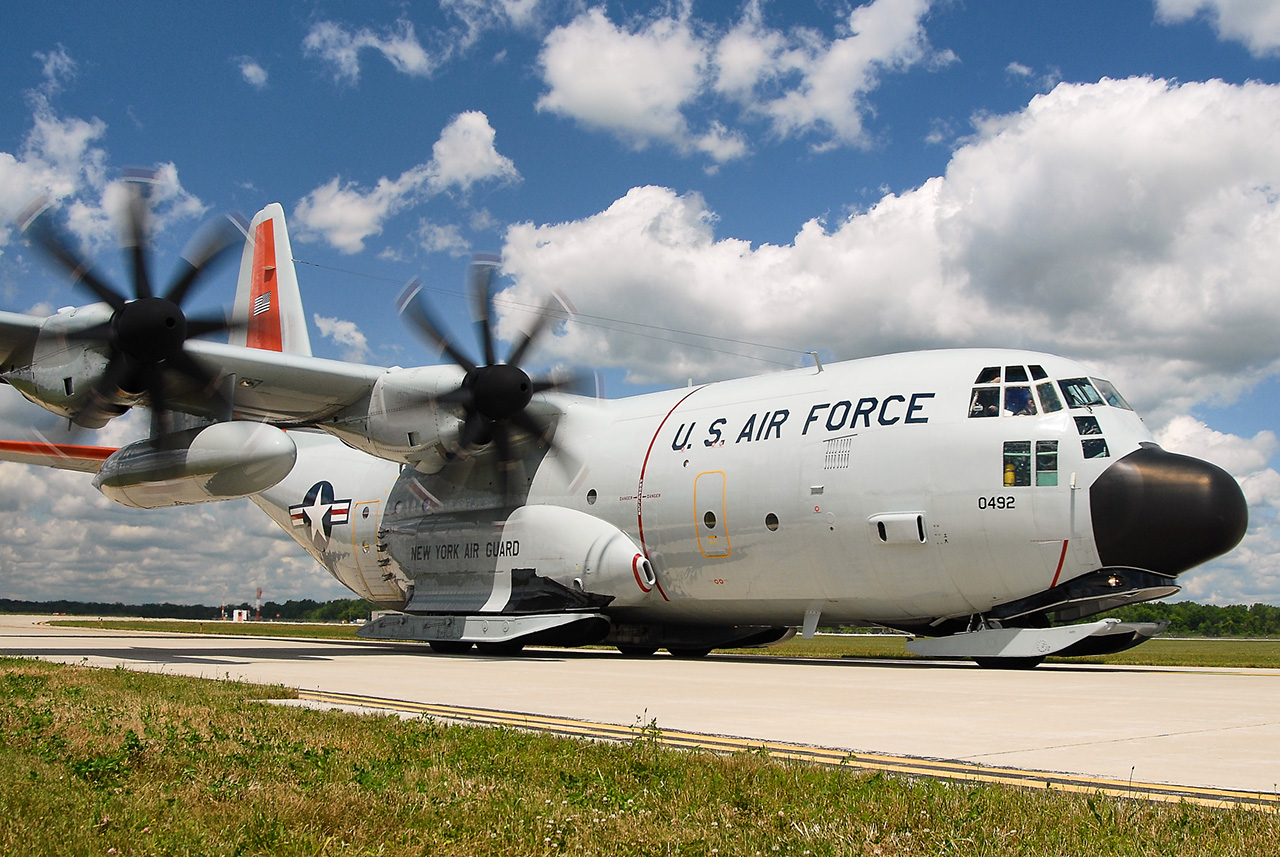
point(320, 512)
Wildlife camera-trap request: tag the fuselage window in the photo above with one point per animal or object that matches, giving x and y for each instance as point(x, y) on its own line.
point(1037, 372)
point(985, 402)
point(1079, 393)
point(1110, 394)
point(1046, 462)
point(1049, 397)
point(990, 375)
point(1088, 425)
point(1015, 374)
point(1018, 401)
point(1017, 463)
point(1095, 447)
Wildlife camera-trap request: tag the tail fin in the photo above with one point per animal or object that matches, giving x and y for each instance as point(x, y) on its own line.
point(267, 293)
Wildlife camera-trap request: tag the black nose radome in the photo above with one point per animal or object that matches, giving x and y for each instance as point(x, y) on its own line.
point(1166, 513)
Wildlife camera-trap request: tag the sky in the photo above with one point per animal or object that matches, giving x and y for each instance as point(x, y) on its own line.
point(719, 188)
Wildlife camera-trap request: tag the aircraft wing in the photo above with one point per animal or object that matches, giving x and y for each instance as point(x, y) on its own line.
point(286, 387)
point(17, 333)
point(84, 459)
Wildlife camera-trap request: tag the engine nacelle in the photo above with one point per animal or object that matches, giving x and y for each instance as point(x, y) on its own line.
point(579, 551)
point(218, 462)
point(58, 373)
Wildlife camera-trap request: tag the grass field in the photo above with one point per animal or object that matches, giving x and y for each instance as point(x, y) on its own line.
point(117, 762)
point(1205, 652)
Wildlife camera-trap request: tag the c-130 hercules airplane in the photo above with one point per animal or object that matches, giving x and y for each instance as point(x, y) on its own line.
point(977, 499)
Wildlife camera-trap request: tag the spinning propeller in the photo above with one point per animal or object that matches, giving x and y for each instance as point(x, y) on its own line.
point(493, 395)
point(145, 335)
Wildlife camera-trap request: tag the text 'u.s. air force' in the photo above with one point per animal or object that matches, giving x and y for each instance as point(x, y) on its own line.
point(892, 410)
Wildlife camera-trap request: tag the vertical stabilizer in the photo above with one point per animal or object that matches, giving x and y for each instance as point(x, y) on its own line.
point(267, 293)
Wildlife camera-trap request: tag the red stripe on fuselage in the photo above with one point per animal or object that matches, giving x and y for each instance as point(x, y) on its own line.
point(640, 489)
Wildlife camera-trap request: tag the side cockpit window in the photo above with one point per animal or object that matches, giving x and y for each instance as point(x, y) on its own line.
point(1110, 394)
point(1079, 393)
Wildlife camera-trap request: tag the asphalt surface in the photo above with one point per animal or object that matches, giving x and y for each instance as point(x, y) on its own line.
point(1208, 728)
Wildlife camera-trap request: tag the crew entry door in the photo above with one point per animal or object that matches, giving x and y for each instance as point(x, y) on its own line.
point(710, 519)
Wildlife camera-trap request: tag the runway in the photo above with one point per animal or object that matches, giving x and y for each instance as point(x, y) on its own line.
point(1093, 726)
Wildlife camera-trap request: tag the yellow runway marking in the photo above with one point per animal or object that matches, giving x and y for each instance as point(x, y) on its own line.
point(912, 765)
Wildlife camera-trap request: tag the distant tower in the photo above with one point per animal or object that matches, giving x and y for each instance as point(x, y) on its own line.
point(257, 605)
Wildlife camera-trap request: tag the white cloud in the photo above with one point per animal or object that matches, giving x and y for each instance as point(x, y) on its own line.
point(465, 154)
point(62, 158)
point(442, 238)
point(1133, 223)
point(1253, 23)
point(252, 72)
point(345, 334)
point(1252, 571)
point(346, 215)
point(641, 81)
point(340, 47)
point(632, 82)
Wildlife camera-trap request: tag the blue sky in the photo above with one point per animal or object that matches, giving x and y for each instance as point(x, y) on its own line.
point(1095, 179)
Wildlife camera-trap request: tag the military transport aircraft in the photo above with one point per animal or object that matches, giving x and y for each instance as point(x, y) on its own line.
point(977, 499)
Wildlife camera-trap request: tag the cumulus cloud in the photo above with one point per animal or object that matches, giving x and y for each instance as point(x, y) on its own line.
point(252, 72)
point(346, 215)
point(355, 347)
point(1252, 571)
point(62, 158)
point(1132, 223)
point(340, 47)
point(1253, 23)
point(642, 80)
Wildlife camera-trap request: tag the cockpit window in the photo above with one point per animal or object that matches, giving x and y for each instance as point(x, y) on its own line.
point(990, 375)
point(1109, 393)
point(1015, 374)
point(1079, 393)
point(985, 402)
point(1037, 372)
point(1018, 401)
point(1048, 397)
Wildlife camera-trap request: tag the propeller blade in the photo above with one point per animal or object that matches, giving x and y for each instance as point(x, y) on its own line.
point(545, 315)
point(97, 333)
point(482, 268)
point(211, 249)
point(415, 311)
point(543, 435)
point(136, 234)
point(570, 382)
point(210, 384)
point(476, 432)
point(39, 229)
point(212, 324)
point(506, 464)
point(461, 396)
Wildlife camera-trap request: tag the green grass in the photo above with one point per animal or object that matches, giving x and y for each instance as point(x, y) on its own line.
point(117, 762)
point(1202, 652)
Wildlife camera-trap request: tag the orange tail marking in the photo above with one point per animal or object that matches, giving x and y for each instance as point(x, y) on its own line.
point(264, 304)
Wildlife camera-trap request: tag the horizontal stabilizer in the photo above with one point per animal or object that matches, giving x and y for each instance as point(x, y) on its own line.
point(83, 459)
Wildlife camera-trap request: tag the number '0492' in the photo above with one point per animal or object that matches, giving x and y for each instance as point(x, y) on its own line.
point(1001, 502)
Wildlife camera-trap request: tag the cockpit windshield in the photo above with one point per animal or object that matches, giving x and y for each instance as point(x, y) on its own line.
point(1079, 393)
point(1015, 391)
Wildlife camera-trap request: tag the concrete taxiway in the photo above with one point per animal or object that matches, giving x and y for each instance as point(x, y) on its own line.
point(1194, 727)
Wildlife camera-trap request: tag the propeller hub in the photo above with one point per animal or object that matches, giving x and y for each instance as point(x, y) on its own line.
point(150, 330)
point(500, 391)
